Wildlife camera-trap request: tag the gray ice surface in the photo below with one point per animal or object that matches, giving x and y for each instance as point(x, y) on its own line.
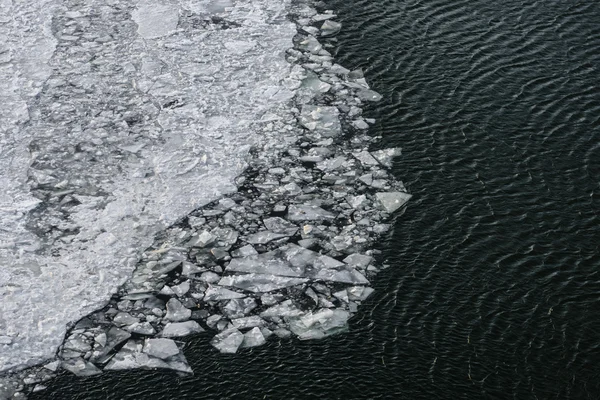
point(116, 119)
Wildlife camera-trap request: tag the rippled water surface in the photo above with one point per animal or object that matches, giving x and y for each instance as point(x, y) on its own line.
point(493, 289)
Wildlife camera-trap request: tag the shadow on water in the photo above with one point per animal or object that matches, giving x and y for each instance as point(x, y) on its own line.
point(493, 288)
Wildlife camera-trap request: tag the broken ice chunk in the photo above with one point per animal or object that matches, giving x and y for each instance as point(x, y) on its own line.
point(365, 158)
point(237, 308)
point(248, 322)
point(320, 324)
point(80, 367)
point(310, 44)
point(321, 119)
point(228, 341)
point(330, 28)
point(219, 293)
point(391, 201)
point(245, 251)
point(386, 156)
point(160, 348)
point(123, 318)
point(359, 292)
point(285, 309)
point(179, 329)
point(359, 261)
point(280, 225)
point(264, 237)
point(253, 338)
point(308, 213)
point(368, 95)
point(265, 263)
point(260, 283)
point(141, 328)
point(176, 311)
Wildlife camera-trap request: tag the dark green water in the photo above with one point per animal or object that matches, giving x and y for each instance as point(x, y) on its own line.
point(494, 286)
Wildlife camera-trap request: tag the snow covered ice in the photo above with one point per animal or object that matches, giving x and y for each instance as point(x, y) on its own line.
point(143, 113)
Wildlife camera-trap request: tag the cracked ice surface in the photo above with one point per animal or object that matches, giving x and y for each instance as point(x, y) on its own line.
point(116, 119)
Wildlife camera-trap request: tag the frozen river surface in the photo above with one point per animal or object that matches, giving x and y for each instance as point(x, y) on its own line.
point(116, 119)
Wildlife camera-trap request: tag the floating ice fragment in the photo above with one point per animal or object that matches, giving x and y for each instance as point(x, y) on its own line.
point(321, 119)
point(176, 311)
point(80, 367)
point(228, 341)
point(386, 156)
point(280, 225)
point(264, 263)
point(391, 201)
point(368, 95)
point(179, 329)
point(219, 293)
point(248, 322)
point(264, 237)
point(260, 283)
point(245, 251)
point(160, 348)
point(330, 28)
point(308, 213)
point(320, 324)
point(253, 338)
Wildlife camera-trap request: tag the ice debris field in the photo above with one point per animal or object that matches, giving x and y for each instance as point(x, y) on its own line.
point(179, 167)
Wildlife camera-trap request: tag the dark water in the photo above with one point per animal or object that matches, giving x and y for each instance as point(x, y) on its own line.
point(494, 286)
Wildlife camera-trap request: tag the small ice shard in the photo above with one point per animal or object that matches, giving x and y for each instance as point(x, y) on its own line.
point(368, 95)
point(131, 357)
point(321, 119)
point(219, 293)
point(245, 251)
point(160, 348)
point(280, 225)
point(228, 341)
point(155, 19)
point(253, 338)
point(176, 311)
point(248, 322)
point(330, 28)
point(320, 324)
point(141, 328)
point(386, 156)
point(308, 213)
point(391, 201)
point(264, 237)
point(179, 329)
point(260, 283)
point(80, 367)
